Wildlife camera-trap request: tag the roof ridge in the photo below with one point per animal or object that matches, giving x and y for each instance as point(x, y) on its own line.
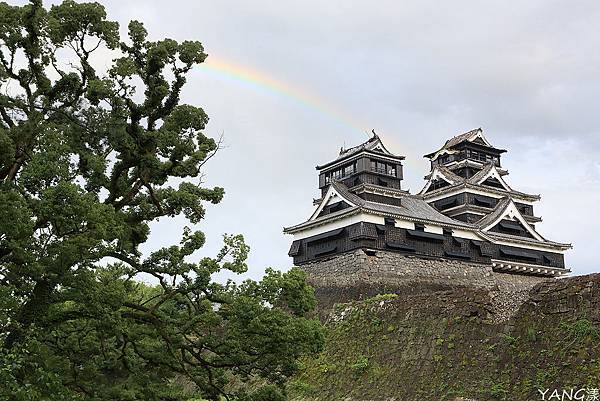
point(368, 146)
point(450, 173)
point(481, 173)
point(343, 191)
point(417, 208)
point(455, 140)
point(501, 206)
point(500, 209)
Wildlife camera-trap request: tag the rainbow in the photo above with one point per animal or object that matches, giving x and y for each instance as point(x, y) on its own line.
point(257, 80)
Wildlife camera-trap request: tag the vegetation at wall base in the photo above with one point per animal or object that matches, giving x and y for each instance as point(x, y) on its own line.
point(443, 346)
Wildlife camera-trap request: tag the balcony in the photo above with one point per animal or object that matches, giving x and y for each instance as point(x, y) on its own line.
point(389, 172)
point(477, 157)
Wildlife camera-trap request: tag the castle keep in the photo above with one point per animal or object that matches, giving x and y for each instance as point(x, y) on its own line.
point(466, 212)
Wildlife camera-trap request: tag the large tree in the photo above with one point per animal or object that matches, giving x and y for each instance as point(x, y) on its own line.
point(88, 159)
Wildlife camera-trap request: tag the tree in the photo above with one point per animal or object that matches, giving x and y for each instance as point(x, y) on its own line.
point(87, 160)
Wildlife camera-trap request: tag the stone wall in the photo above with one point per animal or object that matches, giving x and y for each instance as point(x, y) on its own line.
point(356, 275)
point(447, 346)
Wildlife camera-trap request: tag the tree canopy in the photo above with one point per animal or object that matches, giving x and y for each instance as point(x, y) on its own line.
point(88, 159)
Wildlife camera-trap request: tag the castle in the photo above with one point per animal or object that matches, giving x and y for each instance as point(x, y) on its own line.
point(465, 215)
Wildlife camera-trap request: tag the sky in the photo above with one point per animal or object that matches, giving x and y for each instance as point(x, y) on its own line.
point(290, 82)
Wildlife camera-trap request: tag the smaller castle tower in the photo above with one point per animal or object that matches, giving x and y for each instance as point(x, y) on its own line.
point(369, 163)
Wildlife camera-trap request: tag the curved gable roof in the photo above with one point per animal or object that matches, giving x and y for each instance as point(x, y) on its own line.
point(441, 172)
point(412, 208)
point(475, 135)
point(506, 208)
point(490, 170)
point(373, 144)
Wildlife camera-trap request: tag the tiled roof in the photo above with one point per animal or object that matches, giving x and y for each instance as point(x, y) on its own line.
point(369, 145)
point(412, 206)
point(525, 240)
point(467, 183)
point(498, 211)
point(494, 214)
point(323, 219)
point(449, 175)
point(467, 136)
point(345, 193)
point(454, 178)
point(481, 173)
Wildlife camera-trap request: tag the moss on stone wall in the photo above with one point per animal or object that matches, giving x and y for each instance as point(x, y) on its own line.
point(445, 345)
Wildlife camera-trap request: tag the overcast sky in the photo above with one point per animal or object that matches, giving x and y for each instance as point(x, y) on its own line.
point(289, 83)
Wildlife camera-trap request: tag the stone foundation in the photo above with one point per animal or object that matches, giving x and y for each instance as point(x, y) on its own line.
point(357, 275)
point(443, 346)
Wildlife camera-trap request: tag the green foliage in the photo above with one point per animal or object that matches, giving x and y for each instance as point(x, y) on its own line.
point(361, 364)
point(266, 393)
point(498, 391)
point(424, 349)
point(41, 384)
point(382, 297)
point(87, 160)
point(510, 340)
point(581, 329)
point(531, 333)
point(298, 386)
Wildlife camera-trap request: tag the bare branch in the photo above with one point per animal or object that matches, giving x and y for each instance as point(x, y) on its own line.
point(219, 146)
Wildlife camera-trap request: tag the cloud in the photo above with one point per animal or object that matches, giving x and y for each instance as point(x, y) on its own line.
point(417, 71)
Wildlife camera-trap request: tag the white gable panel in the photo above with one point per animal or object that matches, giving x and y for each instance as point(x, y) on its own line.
point(434, 176)
point(331, 197)
point(512, 213)
point(493, 173)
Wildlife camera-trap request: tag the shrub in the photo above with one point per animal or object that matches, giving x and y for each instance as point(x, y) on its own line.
point(361, 364)
point(498, 391)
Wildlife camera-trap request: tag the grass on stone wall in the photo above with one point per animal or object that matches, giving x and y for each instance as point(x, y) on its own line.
point(384, 349)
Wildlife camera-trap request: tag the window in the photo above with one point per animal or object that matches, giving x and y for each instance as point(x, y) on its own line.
point(419, 227)
point(446, 203)
point(482, 201)
point(437, 184)
point(337, 207)
point(383, 168)
point(349, 169)
point(390, 222)
point(341, 172)
point(493, 182)
point(295, 248)
point(479, 156)
point(518, 254)
point(525, 209)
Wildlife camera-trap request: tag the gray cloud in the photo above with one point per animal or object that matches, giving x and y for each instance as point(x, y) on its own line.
point(419, 72)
